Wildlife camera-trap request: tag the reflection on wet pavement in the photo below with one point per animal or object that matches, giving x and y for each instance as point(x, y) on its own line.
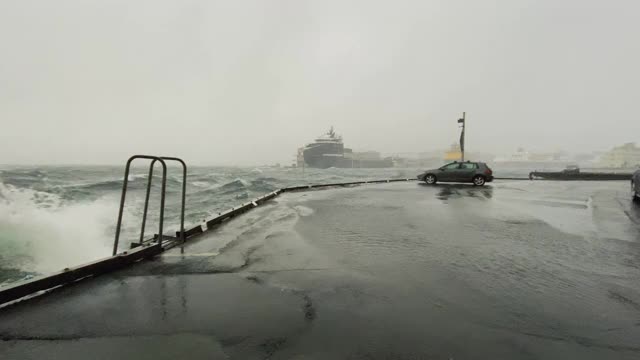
point(453, 191)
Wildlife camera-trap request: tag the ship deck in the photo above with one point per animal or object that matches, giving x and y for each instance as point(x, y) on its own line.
point(513, 270)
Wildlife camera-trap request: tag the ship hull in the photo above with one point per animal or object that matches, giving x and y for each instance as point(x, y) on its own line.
point(328, 151)
point(325, 162)
point(322, 162)
point(324, 156)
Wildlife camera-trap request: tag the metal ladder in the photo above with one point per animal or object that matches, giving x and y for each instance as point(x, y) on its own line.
point(160, 235)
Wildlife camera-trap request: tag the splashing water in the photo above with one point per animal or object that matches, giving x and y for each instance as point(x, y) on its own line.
point(40, 233)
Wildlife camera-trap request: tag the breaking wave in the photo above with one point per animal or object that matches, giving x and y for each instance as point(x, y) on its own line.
point(40, 233)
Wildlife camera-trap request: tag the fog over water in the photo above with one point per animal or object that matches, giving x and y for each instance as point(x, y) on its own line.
point(248, 82)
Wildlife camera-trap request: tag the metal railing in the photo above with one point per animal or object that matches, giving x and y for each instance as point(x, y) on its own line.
point(153, 159)
point(184, 190)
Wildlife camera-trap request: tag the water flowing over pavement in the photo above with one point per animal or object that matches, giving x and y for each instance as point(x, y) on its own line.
point(517, 270)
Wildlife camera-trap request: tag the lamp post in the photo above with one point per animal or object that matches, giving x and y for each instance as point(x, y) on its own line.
point(463, 122)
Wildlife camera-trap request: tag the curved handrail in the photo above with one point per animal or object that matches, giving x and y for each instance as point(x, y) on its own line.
point(124, 193)
point(184, 191)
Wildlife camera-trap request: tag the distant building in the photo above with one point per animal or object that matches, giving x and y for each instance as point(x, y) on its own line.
point(624, 156)
point(425, 159)
point(587, 159)
point(519, 156)
point(453, 154)
point(523, 156)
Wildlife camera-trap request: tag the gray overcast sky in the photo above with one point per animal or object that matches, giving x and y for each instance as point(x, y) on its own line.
point(247, 82)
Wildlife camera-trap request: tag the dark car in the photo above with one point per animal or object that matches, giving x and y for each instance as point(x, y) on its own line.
point(635, 186)
point(477, 173)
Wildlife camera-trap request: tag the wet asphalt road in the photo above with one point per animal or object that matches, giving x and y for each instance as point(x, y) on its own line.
point(514, 270)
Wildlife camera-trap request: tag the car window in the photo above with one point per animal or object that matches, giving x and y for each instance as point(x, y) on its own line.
point(451, 166)
point(469, 166)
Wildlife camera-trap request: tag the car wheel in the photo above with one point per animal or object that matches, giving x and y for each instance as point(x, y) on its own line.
point(430, 179)
point(634, 194)
point(479, 180)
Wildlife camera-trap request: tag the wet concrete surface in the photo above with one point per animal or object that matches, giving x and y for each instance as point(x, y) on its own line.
point(514, 270)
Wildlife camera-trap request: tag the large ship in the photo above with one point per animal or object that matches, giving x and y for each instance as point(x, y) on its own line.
point(328, 151)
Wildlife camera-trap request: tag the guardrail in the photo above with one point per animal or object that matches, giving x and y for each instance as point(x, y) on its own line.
point(153, 159)
point(123, 196)
point(146, 200)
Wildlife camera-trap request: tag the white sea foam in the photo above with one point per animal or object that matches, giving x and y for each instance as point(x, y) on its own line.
point(134, 177)
point(39, 233)
point(202, 184)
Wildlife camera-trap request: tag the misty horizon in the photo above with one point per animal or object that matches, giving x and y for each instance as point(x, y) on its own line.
point(248, 83)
